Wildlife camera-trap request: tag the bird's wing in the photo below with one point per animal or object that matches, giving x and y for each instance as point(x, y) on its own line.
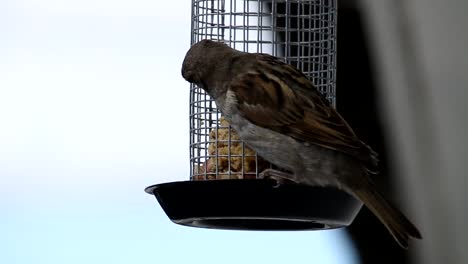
point(279, 97)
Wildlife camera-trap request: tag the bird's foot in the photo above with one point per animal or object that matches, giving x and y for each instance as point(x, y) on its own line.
point(279, 176)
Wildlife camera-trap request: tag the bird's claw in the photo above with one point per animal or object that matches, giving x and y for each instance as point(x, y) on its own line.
point(278, 176)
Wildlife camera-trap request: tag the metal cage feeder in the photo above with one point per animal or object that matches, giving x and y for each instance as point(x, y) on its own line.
point(224, 191)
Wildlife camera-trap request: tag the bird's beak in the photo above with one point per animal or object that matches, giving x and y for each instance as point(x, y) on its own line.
point(188, 75)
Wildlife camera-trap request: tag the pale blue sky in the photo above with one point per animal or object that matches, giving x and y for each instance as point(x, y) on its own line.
point(92, 110)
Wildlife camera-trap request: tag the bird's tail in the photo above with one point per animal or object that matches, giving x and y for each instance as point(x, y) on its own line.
point(399, 226)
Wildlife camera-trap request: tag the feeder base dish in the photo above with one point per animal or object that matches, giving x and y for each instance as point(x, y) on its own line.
point(254, 205)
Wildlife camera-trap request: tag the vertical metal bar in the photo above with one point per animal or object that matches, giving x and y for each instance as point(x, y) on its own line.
point(334, 24)
point(245, 30)
point(300, 37)
point(274, 50)
point(286, 33)
point(260, 26)
point(309, 43)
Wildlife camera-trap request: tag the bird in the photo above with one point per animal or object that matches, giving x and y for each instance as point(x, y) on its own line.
point(279, 113)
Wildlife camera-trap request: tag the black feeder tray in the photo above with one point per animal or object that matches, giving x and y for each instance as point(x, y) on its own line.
point(254, 205)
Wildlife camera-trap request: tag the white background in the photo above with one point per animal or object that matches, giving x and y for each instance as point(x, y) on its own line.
point(92, 110)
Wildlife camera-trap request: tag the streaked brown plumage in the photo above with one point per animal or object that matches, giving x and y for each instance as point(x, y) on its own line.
point(278, 112)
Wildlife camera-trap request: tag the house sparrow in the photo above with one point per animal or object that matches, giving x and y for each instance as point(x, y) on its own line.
point(279, 113)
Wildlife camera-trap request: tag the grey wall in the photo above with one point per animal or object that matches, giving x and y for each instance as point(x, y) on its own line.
point(422, 67)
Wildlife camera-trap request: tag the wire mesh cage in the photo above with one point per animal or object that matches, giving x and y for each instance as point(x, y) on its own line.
point(301, 32)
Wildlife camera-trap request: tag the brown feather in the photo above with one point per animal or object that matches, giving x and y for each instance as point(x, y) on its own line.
point(397, 224)
point(285, 101)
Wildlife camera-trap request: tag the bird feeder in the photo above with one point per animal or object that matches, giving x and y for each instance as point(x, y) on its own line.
point(224, 190)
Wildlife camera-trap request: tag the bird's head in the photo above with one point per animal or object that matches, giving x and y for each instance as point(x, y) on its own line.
point(202, 60)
